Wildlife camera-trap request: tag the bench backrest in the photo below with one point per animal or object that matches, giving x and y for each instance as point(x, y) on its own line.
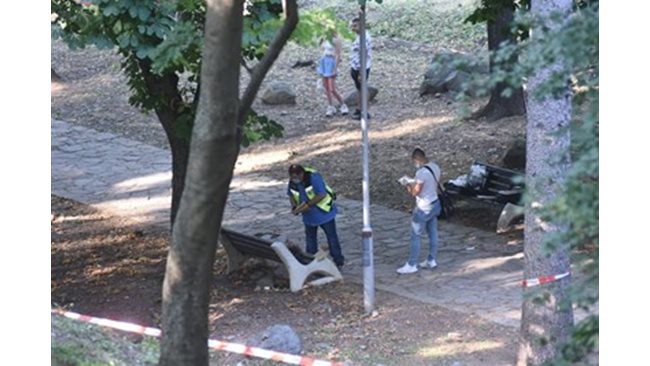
point(499, 179)
point(258, 247)
point(250, 245)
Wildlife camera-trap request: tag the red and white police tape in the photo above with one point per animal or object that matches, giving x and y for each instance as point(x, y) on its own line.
point(212, 343)
point(543, 280)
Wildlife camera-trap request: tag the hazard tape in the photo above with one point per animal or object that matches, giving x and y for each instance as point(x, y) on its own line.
point(543, 280)
point(212, 343)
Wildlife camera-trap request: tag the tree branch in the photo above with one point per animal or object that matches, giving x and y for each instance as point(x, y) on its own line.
point(261, 69)
point(164, 87)
point(248, 68)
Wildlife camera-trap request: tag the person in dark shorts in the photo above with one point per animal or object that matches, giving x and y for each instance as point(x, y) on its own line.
point(355, 62)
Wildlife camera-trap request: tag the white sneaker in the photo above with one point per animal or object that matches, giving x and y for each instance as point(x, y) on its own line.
point(428, 263)
point(330, 111)
point(407, 268)
point(344, 109)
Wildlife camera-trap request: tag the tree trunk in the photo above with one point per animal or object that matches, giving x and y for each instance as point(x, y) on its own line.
point(213, 152)
point(165, 87)
point(545, 324)
point(180, 149)
point(500, 106)
point(180, 156)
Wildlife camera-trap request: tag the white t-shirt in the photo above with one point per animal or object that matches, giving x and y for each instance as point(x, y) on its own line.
point(429, 192)
point(355, 52)
point(328, 48)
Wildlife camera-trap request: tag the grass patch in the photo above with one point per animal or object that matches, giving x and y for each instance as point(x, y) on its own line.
point(81, 344)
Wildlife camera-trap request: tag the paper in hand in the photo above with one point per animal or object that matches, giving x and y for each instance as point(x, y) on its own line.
point(406, 180)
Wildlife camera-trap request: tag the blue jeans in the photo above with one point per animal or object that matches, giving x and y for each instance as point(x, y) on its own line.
point(419, 222)
point(332, 240)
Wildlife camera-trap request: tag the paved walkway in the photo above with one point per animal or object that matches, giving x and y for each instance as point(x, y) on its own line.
point(479, 272)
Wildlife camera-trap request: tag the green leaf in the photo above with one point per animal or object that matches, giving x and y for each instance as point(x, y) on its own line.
point(143, 13)
point(143, 52)
point(101, 42)
point(159, 31)
point(117, 27)
point(134, 41)
point(133, 12)
point(123, 40)
point(110, 10)
point(182, 127)
point(258, 127)
point(253, 135)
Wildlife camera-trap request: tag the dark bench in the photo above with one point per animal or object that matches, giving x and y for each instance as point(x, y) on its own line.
point(256, 246)
point(497, 186)
point(300, 265)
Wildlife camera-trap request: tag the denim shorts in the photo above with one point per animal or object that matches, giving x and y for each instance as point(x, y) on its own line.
point(327, 66)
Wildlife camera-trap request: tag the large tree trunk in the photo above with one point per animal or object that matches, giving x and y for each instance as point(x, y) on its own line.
point(213, 152)
point(545, 324)
point(499, 106)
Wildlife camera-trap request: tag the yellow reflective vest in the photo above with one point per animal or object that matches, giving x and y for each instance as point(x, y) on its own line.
point(325, 204)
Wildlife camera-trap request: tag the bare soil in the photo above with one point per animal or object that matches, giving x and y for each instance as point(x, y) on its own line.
point(107, 267)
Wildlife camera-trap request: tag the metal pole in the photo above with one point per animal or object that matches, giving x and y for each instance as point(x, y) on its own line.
point(366, 233)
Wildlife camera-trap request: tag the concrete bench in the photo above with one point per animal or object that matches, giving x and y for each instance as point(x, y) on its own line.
point(300, 265)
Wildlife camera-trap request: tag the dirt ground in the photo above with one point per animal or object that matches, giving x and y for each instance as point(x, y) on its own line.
point(109, 268)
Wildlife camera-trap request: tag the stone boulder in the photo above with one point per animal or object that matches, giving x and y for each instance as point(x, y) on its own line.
point(280, 338)
point(279, 92)
point(351, 97)
point(449, 70)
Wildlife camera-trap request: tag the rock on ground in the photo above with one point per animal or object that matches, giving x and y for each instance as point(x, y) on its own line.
point(280, 338)
point(351, 97)
point(449, 70)
point(279, 92)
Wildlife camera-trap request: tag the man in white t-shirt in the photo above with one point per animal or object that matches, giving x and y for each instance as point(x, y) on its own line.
point(355, 62)
point(426, 211)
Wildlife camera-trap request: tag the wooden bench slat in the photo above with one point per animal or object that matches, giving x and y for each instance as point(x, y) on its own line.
point(498, 186)
point(258, 247)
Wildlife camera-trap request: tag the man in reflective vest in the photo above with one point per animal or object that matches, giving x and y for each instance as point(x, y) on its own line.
point(311, 197)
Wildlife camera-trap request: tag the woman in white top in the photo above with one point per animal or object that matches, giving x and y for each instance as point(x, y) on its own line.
point(327, 69)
